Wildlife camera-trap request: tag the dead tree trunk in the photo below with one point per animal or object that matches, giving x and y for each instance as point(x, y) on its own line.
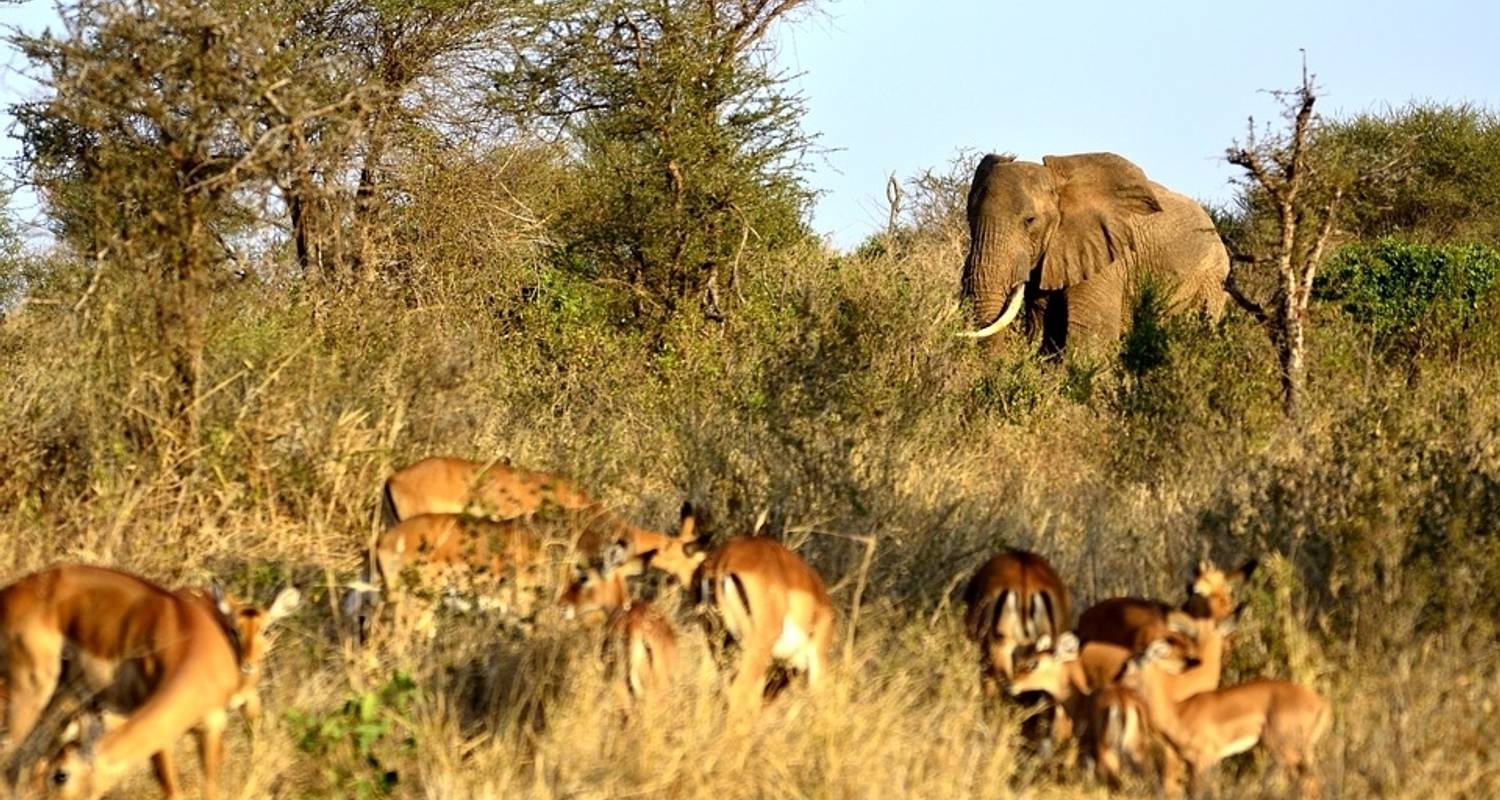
point(1280, 169)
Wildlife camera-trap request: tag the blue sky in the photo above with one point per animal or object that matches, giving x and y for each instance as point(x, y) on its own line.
point(901, 85)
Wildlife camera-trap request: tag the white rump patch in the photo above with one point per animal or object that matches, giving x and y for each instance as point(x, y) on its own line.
point(1238, 746)
point(792, 646)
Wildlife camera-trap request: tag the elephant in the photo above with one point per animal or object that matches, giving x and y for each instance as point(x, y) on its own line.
point(1072, 238)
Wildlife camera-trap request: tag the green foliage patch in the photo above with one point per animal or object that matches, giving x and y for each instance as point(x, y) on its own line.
point(1411, 295)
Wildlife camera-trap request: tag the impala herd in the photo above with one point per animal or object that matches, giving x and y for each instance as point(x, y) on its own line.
point(103, 670)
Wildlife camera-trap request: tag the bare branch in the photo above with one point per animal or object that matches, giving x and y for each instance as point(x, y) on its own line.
point(1254, 309)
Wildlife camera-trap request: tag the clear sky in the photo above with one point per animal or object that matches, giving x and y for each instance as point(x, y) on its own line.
point(901, 85)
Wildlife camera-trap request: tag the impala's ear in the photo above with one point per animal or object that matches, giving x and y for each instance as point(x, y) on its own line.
point(1099, 197)
point(1067, 647)
point(84, 733)
point(1158, 650)
point(1181, 622)
point(285, 603)
point(702, 544)
point(614, 556)
point(689, 528)
point(1228, 625)
point(635, 566)
point(221, 600)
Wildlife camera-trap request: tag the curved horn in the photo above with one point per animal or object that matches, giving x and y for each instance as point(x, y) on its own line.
point(1012, 309)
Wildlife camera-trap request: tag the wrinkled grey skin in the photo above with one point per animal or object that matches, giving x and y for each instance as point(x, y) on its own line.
point(1081, 232)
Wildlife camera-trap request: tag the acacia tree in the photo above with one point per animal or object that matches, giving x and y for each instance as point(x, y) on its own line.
point(689, 139)
point(421, 68)
point(1303, 185)
point(161, 129)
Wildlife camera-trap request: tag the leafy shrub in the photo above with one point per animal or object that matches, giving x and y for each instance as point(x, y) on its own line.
point(1146, 345)
point(689, 140)
point(1447, 183)
point(1412, 295)
point(357, 742)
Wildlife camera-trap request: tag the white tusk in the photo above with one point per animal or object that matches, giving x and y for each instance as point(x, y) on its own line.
point(1006, 317)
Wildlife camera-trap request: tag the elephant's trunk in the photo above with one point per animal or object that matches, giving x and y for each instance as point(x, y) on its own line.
point(997, 299)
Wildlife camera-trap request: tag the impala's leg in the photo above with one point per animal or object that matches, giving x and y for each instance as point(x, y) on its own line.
point(166, 774)
point(750, 682)
point(1107, 767)
point(34, 665)
point(817, 658)
point(1171, 771)
point(1062, 734)
point(211, 751)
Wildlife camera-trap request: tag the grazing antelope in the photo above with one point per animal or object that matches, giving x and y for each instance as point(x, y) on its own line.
point(636, 633)
point(1013, 600)
point(773, 605)
point(1071, 672)
point(1210, 726)
point(499, 565)
point(168, 662)
point(1135, 622)
point(493, 490)
point(1117, 734)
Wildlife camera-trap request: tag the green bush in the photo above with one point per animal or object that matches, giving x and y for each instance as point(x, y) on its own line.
point(1446, 185)
point(689, 141)
point(1412, 295)
point(356, 742)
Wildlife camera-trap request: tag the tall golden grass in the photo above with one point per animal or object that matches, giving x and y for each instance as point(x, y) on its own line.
point(836, 401)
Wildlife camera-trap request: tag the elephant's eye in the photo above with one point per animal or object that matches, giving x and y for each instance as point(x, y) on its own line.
point(1030, 220)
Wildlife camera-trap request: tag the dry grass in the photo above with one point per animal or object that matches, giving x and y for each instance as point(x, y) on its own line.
point(837, 400)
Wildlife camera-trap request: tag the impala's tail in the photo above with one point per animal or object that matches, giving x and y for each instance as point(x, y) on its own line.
point(363, 599)
point(388, 506)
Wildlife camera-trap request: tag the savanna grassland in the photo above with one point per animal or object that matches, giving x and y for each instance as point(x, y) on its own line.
point(824, 391)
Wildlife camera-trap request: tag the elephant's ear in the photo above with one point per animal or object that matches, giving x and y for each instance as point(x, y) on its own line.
point(982, 178)
point(1098, 197)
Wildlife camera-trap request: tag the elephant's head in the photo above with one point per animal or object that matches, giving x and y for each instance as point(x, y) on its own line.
point(1057, 222)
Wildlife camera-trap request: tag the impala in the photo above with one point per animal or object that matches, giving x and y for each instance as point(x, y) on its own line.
point(1208, 727)
point(1117, 734)
point(498, 566)
point(769, 601)
point(167, 662)
point(1134, 622)
point(636, 633)
point(504, 566)
point(1071, 673)
point(494, 490)
point(1013, 600)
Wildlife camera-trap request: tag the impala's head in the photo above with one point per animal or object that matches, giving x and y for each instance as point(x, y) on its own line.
point(248, 627)
point(70, 772)
point(1045, 668)
point(1156, 655)
point(250, 624)
point(677, 555)
point(1211, 592)
point(593, 589)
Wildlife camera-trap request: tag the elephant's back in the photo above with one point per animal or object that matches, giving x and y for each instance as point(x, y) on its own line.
point(1188, 250)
